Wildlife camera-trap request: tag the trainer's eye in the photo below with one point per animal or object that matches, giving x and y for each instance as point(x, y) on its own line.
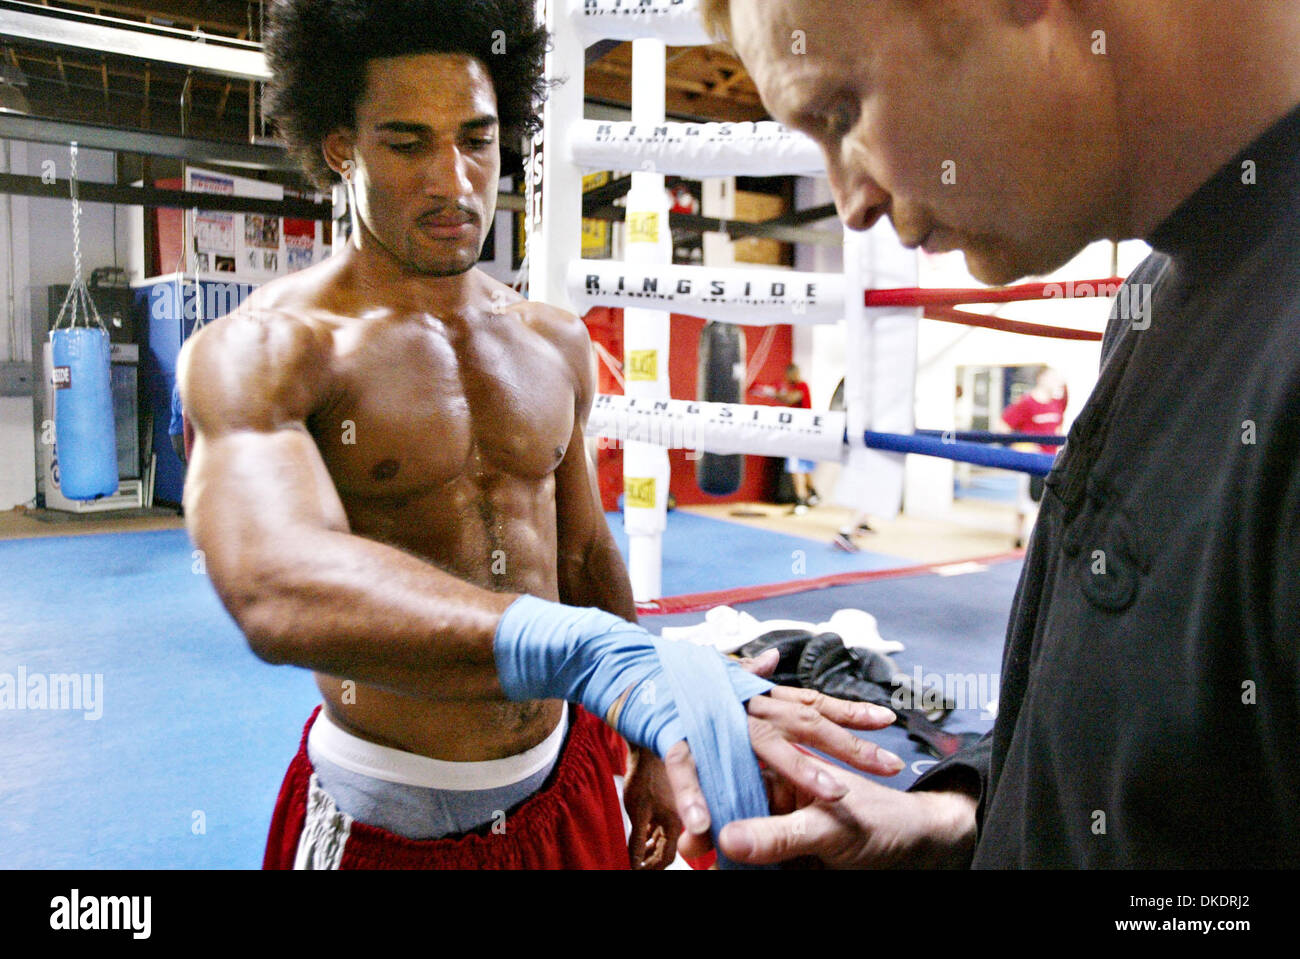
point(480, 143)
point(410, 147)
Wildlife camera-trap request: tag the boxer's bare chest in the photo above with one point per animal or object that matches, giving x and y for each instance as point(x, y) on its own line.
point(443, 432)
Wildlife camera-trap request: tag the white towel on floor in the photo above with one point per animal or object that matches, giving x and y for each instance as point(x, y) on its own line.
point(727, 630)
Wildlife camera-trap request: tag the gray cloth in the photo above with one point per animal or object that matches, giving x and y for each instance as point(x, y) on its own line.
point(418, 813)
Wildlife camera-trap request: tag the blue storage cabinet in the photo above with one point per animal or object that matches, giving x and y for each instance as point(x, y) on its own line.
point(169, 310)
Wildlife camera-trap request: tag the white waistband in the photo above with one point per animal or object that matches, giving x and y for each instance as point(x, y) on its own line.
point(337, 746)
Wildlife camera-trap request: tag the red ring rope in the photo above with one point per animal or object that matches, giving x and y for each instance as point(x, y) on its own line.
point(914, 296)
point(966, 318)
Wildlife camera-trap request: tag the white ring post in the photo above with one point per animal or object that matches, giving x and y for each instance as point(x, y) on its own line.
point(882, 353)
point(646, 338)
point(857, 346)
point(880, 374)
point(554, 182)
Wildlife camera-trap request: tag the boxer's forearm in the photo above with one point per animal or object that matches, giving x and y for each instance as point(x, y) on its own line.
point(597, 577)
point(347, 606)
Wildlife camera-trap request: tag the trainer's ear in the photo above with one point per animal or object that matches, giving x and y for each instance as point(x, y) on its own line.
point(339, 148)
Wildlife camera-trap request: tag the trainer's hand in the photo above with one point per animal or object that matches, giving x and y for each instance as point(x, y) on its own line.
point(778, 720)
point(871, 827)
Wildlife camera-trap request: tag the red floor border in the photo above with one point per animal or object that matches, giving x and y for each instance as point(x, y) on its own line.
point(700, 602)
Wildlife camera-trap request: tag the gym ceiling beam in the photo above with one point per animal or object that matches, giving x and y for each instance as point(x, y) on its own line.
point(15, 126)
point(154, 198)
point(209, 52)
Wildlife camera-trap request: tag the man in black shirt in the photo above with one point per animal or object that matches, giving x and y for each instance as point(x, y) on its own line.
point(1151, 677)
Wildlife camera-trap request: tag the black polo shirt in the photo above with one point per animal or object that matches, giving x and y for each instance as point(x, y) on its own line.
point(1150, 708)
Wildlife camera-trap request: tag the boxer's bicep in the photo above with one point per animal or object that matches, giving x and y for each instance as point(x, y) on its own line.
point(257, 485)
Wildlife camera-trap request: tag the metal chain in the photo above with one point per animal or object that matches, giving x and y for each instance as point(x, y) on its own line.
point(79, 300)
point(76, 221)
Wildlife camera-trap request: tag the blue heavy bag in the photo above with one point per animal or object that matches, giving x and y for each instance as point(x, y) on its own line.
point(83, 413)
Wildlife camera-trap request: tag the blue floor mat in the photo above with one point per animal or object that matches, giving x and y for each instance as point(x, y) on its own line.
point(181, 769)
point(996, 488)
point(702, 554)
point(952, 627)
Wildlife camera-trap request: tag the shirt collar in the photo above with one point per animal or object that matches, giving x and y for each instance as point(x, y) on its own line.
point(1242, 203)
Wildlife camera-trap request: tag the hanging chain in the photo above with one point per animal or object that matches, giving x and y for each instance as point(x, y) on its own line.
point(76, 221)
point(79, 301)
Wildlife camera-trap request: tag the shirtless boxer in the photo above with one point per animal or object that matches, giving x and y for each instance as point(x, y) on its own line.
point(389, 451)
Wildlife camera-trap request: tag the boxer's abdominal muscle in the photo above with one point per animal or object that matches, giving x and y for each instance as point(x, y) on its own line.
point(442, 439)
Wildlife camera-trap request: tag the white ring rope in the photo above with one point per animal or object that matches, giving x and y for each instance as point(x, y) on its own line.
point(725, 428)
point(675, 22)
point(696, 150)
point(750, 297)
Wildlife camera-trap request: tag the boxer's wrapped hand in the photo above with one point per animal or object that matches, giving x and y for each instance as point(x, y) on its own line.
point(546, 650)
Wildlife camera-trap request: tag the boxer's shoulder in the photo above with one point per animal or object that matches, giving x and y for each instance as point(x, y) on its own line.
point(260, 332)
point(561, 328)
point(310, 297)
point(270, 355)
point(547, 320)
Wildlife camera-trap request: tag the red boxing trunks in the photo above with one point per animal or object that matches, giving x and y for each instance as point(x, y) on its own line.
point(574, 822)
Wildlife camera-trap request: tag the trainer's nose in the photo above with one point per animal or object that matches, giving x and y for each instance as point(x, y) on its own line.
point(860, 200)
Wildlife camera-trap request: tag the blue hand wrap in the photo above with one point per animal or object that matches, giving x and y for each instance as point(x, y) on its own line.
point(678, 691)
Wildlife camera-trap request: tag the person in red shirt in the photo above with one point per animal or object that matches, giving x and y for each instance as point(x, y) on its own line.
point(795, 393)
point(1040, 411)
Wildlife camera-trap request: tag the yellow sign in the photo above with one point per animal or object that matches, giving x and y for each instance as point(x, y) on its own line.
point(643, 365)
point(639, 493)
point(643, 228)
point(595, 239)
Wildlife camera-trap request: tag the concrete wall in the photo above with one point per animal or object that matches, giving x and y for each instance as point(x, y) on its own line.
point(36, 251)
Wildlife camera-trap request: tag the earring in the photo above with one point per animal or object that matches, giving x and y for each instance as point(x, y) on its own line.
point(348, 168)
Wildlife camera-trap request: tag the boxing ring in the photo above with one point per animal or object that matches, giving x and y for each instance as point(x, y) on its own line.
point(877, 296)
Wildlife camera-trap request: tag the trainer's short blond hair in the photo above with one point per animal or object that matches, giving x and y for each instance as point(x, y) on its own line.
point(717, 18)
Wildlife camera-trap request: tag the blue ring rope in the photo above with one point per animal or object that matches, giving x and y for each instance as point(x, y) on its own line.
point(1036, 464)
point(987, 436)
